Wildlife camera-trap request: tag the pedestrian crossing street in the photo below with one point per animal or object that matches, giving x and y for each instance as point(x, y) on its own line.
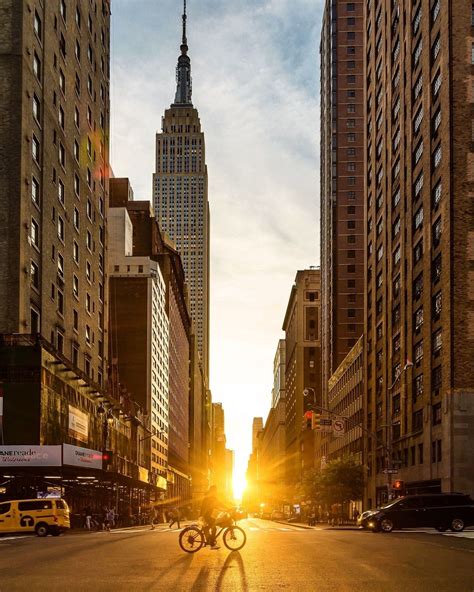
point(250, 526)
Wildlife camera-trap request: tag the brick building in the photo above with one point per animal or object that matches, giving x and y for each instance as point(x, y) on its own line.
point(420, 229)
point(303, 370)
point(342, 181)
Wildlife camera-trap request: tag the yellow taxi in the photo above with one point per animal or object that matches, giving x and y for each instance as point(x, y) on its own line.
point(43, 516)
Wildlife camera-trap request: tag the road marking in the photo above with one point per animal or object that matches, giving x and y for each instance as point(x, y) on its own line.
point(461, 535)
point(12, 538)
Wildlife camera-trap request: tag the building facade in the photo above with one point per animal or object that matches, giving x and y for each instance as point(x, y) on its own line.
point(139, 329)
point(419, 182)
point(180, 195)
point(54, 131)
point(342, 181)
point(303, 370)
point(279, 364)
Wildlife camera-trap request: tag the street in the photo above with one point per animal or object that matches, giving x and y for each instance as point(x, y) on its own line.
point(276, 557)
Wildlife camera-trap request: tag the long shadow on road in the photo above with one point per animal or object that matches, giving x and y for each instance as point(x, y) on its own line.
point(233, 557)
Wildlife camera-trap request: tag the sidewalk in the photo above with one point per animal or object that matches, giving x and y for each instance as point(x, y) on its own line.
point(319, 526)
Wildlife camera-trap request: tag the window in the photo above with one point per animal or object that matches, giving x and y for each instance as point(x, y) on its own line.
point(435, 11)
point(89, 209)
point(76, 150)
point(437, 120)
point(88, 303)
point(418, 391)
point(417, 425)
point(88, 271)
point(37, 66)
point(418, 251)
point(62, 9)
point(397, 255)
point(75, 252)
point(436, 269)
point(34, 275)
point(437, 194)
point(418, 119)
point(37, 25)
point(351, 137)
point(437, 341)
point(36, 108)
point(437, 156)
point(61, 117)
point(437, 305)
point(78, 17)
point(62, 155)
point(35, 149)
point(417, 21)
point(61, 312)
point(61, 191)
point(62, 81)
point(351, 167)
point(77, 185)
point(75, 286)
point(418, 352)
point(436, 48)
point(472, 54)
point(89, 240)
point(60, 228)
point(419, 318)
point(436, 84)
point(88, 335)
point(418, 185)
point(76, 218)
point(436, 414)
point(419, 152)
point(436, 378)
point(437, 229)
point(35, 191)
point(77, 84)
point(418, 222)
point(34, 233)
point(418, 286)
point(417, 52)
point(418, 87)
point(351, 21)
point(396, 198)
point(396, 227)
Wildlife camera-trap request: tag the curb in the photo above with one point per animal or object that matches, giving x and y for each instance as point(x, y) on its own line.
point(295, 524)
point(354, 528)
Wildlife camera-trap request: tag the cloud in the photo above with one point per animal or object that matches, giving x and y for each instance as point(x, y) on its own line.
point(256, 85)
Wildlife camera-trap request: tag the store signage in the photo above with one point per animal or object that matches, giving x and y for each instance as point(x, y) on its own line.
point(30, 456)
point(81, 457)
point(143, 474)
point(78, 424)
point(161, 482)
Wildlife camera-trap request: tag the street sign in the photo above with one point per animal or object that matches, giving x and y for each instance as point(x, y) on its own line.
point(390, 471)
point(326, 424)
point(338, 427)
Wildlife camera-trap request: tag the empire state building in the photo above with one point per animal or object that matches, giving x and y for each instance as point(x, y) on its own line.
point(180, 194)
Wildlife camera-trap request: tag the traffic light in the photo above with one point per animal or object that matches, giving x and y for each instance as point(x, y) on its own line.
point(399, 486)
point(308, 420)
point(107, 459)
point(316, 424)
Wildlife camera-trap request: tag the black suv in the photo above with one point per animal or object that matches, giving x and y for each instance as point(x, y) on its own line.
point(441, 511)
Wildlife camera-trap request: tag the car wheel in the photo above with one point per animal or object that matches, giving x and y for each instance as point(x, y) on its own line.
point(457, 525)
point(42, 529)
point(386, 525)
point(441, 528)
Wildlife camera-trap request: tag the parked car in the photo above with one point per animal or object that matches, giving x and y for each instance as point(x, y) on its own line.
point(277, 515)
point(441, 511)
point(43, 516)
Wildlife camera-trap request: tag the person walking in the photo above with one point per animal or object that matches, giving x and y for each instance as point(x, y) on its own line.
point(87, 518)
point(153, 516)
point(175, 517)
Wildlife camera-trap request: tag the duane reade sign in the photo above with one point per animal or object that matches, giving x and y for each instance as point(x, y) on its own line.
point(82, 457)
point(30, 456)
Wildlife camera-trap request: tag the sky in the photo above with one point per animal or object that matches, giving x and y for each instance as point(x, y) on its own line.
point(255, 69)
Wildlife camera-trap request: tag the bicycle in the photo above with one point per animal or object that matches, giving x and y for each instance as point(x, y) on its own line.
point(193, 537)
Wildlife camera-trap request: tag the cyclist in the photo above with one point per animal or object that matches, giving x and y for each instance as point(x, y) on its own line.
point(209, 510)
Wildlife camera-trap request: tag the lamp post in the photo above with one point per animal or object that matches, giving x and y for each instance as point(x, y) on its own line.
point(388, 426)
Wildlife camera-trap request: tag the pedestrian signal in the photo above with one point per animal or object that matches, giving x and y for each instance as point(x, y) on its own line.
point(399, 485)
point(316, 423)
point(308, 420)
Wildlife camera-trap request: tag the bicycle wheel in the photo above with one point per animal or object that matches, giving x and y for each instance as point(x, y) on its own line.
point(234, 538)
point(191, 539)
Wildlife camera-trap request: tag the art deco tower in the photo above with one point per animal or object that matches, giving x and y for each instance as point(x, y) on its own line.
point(180, 194)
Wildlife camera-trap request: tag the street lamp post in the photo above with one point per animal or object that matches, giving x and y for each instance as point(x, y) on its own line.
point(388, 426)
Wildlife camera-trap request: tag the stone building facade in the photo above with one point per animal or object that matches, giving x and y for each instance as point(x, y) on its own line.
point(342, 181)
point(420, 235)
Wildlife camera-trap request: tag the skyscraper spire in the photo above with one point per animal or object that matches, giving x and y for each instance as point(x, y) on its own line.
point(183, 70)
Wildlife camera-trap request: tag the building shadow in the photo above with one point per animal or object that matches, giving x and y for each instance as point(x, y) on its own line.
point(234, 559)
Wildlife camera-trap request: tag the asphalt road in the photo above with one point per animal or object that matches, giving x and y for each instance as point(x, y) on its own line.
point(276, 557)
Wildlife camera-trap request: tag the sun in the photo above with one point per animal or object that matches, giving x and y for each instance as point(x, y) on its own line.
point(240, 484)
